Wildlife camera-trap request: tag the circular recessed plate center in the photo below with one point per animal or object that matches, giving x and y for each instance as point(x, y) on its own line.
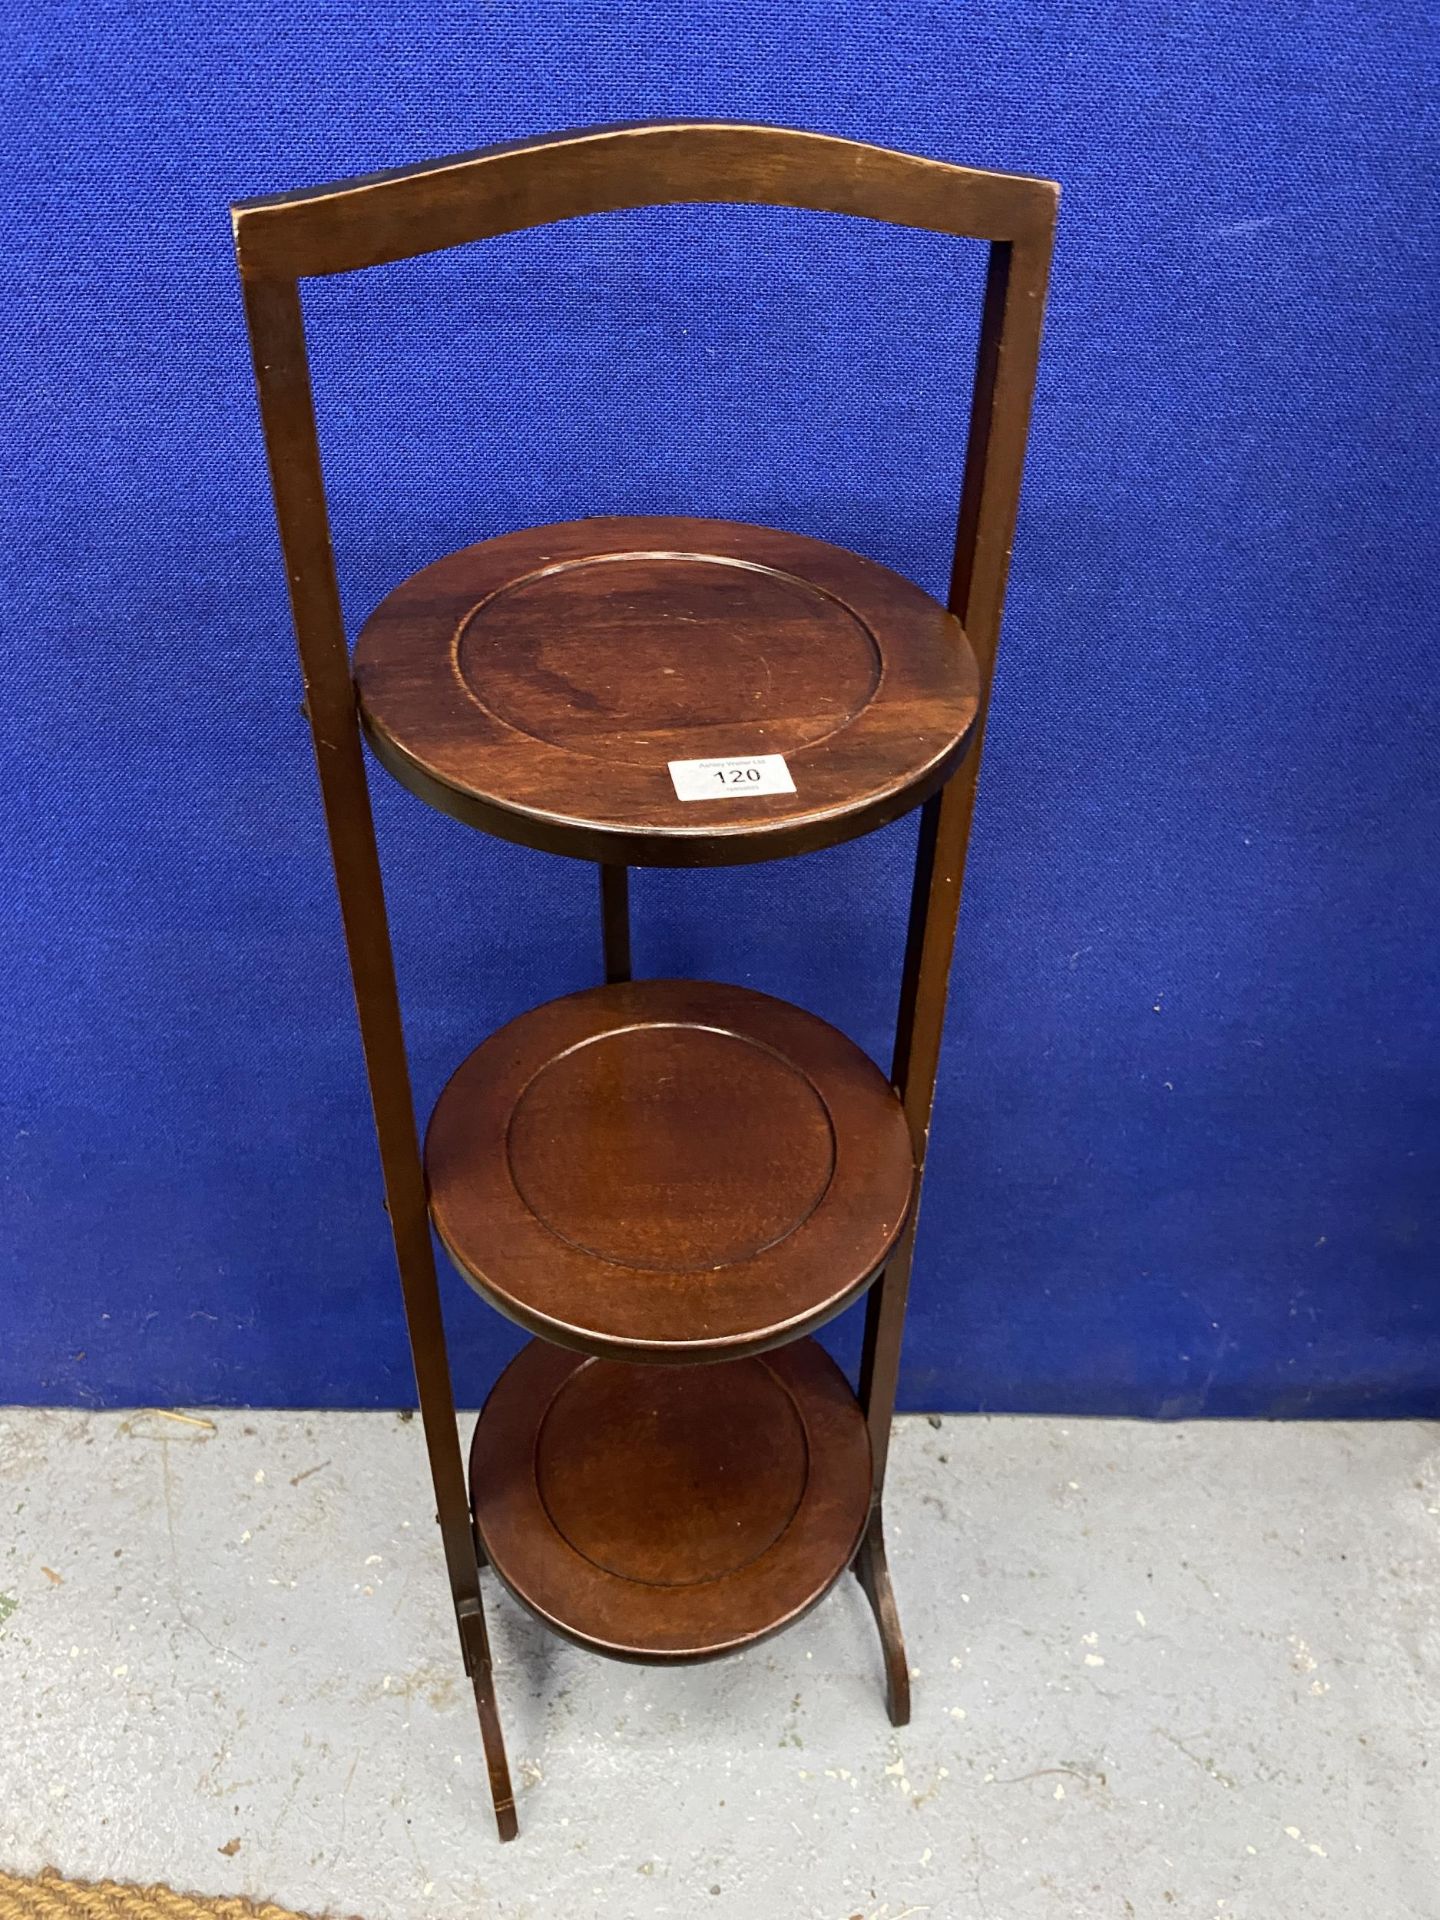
point(658, 1483)
point(675, 656)
point(674, 1148)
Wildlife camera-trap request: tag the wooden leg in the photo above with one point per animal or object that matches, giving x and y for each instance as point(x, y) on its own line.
point(278, 339)
point(917, 1044)
point(475, 1641)
point(506, 1824)
point(491, 1734)
point(872, 1570)
point(879, 1371)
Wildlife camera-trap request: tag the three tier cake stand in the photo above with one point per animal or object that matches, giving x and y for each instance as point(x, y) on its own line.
point(670, 1183)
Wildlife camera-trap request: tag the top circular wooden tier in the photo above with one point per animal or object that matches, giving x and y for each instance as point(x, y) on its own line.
point(539, 684)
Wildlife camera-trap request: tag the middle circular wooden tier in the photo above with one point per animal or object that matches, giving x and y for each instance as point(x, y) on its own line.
point(669, 1170)
point(541, 685)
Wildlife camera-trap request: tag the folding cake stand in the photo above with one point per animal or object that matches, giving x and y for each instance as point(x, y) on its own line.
point(669, 1183)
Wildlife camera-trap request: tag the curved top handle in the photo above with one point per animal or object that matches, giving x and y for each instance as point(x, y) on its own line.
point(380, 217)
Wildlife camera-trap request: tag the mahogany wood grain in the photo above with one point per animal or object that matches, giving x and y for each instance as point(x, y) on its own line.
point(383, 217)
point(668, 1170)
point(658, 1515)
point(538, 685)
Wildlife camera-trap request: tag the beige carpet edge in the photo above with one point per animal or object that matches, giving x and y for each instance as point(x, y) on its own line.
point(49, 1896)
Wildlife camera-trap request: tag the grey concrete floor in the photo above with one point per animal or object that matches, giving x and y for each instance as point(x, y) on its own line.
point(1188, 1671)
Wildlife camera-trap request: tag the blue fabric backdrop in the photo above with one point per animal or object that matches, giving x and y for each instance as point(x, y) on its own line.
point(1185, 1150)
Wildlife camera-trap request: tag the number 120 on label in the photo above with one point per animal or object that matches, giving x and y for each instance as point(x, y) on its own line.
point(731, 779)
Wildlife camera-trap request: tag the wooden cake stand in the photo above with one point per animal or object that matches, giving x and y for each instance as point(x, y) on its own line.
point(669, 1183)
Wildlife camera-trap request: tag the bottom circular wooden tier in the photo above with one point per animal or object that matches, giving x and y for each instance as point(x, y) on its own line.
point(669, 1170)
point(668, 1515)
